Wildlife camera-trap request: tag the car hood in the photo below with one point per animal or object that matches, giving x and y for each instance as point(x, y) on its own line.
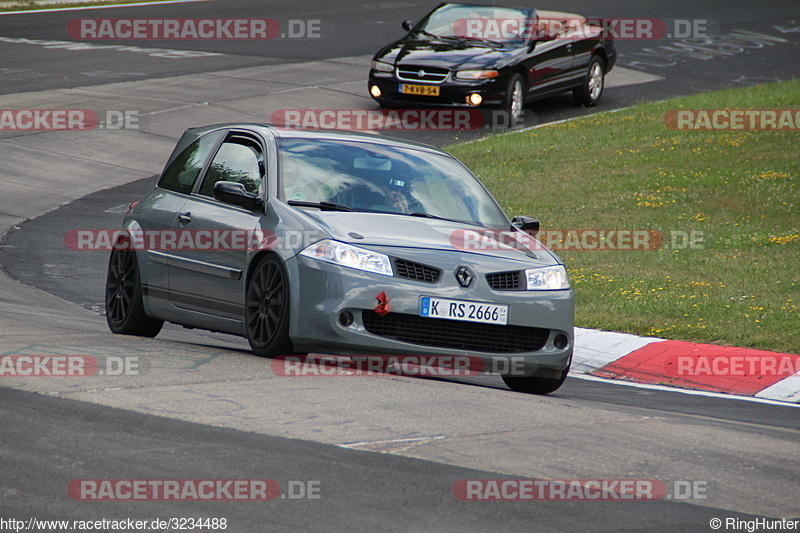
point(450, 55)
point(398, 231)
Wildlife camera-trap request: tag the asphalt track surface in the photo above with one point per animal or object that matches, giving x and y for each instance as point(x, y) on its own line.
point(48, 440)
point(360, 491)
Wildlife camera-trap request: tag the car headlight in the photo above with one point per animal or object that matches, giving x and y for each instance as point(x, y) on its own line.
point(547, 279)
point(476, 74)
point(345, 255)
point(381, 66)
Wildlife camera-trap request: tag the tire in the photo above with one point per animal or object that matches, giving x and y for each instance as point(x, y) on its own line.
point(267, 308)
point(591, 89)
point(124, 308)
point(535, 385)
point(514, 102)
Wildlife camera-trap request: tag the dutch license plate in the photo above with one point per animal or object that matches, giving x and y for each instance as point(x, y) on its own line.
point(422, 90)
point(482, 312)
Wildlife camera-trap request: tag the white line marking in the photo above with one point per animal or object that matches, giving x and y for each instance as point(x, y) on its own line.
point(173, 109)
point(393, 441)
point(683, 391)
point(623, 77)
point(787, 389)
point(138, 4)
point(304, 87)
point(75, 46)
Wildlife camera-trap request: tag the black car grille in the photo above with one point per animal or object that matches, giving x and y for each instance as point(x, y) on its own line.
point(416, 271)
point(429, 74)
point(505, 281)
point(443, 333)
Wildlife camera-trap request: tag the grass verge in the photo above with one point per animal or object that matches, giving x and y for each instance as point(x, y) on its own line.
point(738, 190)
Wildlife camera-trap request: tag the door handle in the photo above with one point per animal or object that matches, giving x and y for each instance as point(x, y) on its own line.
point(185, 218)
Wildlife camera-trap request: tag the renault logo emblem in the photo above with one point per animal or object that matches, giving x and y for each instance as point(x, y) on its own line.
point(464, 276)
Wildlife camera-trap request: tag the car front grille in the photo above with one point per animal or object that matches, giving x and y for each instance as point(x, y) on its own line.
point(416, 271)
point(505, 281)
point(421, 73)
point(443, 333)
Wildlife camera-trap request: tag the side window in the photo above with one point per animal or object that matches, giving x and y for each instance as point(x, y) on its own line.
point(180, 175)
point(240, 159)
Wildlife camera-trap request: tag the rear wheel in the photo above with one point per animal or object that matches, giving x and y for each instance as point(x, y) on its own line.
point(535, 385)
point(590, 91)
point(267, 309)
point(124, 308)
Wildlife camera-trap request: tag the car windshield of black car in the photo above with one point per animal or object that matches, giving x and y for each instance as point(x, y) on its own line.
point(482, 23)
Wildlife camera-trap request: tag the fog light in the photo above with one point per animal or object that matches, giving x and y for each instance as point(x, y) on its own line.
point(560, 341)
point(375, 91)
point(345, 318)
point(474, 99)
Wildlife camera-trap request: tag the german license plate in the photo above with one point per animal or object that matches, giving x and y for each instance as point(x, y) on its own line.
point(422, 90)
point(482, 312)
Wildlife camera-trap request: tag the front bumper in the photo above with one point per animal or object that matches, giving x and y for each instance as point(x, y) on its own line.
point(324, 292)
point(452, 93)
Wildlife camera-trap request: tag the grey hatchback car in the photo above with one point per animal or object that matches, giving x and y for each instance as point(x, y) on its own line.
point(340, 243)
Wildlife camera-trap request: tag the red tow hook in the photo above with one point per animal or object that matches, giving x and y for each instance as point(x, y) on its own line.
point(383, 306)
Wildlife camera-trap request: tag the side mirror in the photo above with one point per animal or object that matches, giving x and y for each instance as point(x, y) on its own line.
point(526, 224)
point(407, 25)
point(230, 192)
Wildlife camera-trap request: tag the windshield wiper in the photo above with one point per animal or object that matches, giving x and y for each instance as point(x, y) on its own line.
point(462, 40)
point(325, 206)
point(437, 217)
point(481, 40)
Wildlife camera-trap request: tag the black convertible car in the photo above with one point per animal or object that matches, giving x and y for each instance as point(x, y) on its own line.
point(462, 55)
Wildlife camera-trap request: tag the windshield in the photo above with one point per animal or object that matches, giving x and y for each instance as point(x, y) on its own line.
point(499, 24)
point(372, 177)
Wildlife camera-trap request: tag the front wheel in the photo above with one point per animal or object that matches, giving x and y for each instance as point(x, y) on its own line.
point(535, 385)
point(515, 99)
point(267, 309)
point(591, 89)
point(124, 308)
